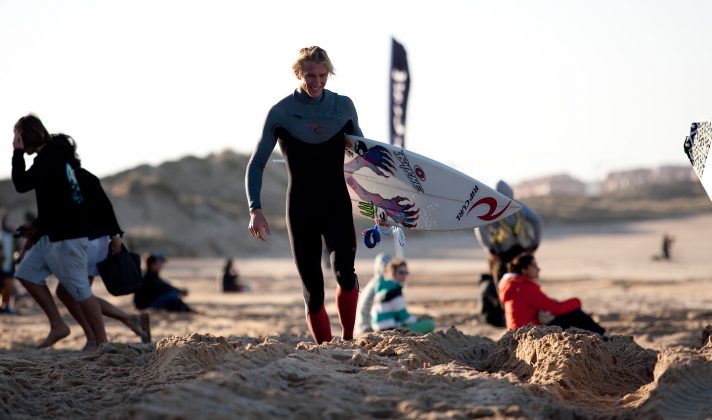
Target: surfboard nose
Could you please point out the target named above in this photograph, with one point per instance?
(514, 207)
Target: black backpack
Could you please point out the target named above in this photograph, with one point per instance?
(489, 304)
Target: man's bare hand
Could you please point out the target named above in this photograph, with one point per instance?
(259, 227)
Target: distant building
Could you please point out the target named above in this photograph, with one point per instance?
(627, 180)
(551, 185)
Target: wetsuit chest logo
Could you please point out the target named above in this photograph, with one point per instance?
(316, 128)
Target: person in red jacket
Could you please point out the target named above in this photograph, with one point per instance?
(523, 299)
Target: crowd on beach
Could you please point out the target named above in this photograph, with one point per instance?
(76, 229)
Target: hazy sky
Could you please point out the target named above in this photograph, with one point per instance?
(500, 89)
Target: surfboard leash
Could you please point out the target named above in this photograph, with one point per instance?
(372, 237)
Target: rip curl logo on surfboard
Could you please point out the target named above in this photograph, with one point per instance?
(490, 202)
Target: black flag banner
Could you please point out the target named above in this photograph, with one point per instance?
(400, 85)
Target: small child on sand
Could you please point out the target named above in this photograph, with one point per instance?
(389, 310)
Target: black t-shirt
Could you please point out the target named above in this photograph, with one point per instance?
(61, 211)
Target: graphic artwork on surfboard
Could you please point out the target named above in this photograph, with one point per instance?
(397, 187)
(697, 148)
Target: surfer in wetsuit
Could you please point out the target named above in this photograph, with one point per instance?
(310, 125)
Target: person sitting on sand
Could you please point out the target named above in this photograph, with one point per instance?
(231, 279)
(523, 300)
(389, 310)
(157, 293)
(365, 301)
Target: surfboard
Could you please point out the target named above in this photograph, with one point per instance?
(697, 148)
(400, 188)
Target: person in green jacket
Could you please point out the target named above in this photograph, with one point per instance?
(389, 309)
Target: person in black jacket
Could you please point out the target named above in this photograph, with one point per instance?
(105, 237)
(63, 227)
(157, 293)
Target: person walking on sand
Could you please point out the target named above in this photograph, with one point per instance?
(105, 236)
(523, 300)
(63, 229)
(389, 308)
(666, 246)
(310, 125)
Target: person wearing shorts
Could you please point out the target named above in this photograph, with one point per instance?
(105, 237)
(63, 229)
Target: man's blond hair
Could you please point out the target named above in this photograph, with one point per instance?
(313, 53)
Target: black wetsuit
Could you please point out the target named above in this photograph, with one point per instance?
(311, 136)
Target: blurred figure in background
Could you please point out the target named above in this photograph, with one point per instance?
(157, 293)
(667, 244)
(365, 301)
(231, 279)
(504, 240)
(511, 236)
(7, 266)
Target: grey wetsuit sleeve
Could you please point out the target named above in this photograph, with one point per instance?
(256, 165)
(351, 110)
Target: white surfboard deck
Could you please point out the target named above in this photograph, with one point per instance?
(697, 147)
(400, 188)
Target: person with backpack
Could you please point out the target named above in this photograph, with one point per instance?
(509, 237)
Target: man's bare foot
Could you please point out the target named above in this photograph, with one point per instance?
(55, 334)
(141, 325)
(90, 347)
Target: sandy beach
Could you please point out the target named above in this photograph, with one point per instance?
(249, 355)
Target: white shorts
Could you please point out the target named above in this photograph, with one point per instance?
(97, 251)
(67, 260)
